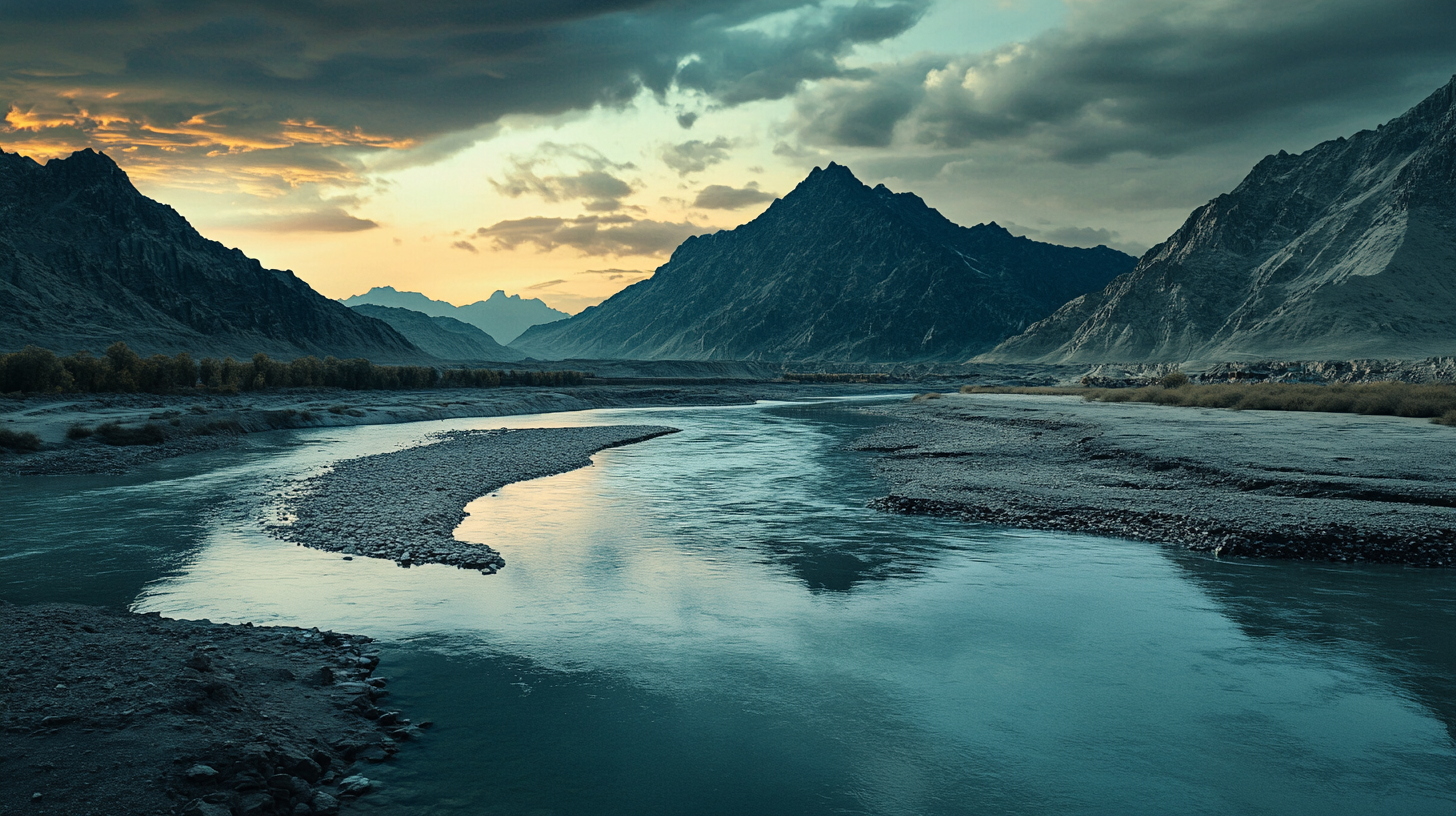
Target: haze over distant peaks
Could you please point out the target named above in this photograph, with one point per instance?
(834, 270)
(86, 260)
(1345, 251)
(501, 316)
(444, 337)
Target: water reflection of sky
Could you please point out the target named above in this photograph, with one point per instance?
(712, 622)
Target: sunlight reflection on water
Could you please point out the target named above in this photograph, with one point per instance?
(712, 622)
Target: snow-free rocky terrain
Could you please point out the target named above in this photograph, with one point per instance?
(834, 271)
(86, 260)
(1346, 251)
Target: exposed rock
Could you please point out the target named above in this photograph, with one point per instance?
(1347, 251)
(86, 260)
(834, 271)
(133, 728)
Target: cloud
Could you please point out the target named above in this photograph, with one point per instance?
(1141, 76)
(272, 86)
(599, 189)
(686, 120)
(591, 234)
(465, 245)
(722, 197)
(1077, 237)
(329, 219)
(618, 274)
(695, 156)
(546, 284)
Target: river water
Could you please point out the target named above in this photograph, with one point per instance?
(713, 623)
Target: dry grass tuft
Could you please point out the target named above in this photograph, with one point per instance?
(1434, 402)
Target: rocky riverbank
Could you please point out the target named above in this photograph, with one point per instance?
(1332, 487)
(405, 505)
(109, 712)
(157, 427)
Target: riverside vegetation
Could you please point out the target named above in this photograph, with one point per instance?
(1436, 402)
(122, 370)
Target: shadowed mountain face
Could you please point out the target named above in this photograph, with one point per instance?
(501, 316)
(443, 337)
(1346, 251)
(834, 271)
(86, 260)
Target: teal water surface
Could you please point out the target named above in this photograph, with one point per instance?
(713, 622)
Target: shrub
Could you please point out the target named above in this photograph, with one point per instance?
(79, 431)
(929, 395)
(1174, 379)
(19, 441)
(114, 433)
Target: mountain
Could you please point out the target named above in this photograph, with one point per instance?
(443, 337)
(834, 271)
(502, 317)
(86, 260)
(1345, 251)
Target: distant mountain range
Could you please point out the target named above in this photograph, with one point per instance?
(86, 260)
(1345, 251)
(444, 337)
(502, 317)
(836, 271)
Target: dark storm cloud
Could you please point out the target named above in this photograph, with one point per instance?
(210, 76)
(591, 234)
(723, 197)
(1144, 75)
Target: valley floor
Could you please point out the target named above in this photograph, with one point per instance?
(197, 422)
(1338, 487)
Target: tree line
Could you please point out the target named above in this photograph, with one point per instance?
(122, 370)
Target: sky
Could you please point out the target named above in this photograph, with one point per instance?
(562, 149)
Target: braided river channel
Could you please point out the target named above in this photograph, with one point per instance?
(713, 622)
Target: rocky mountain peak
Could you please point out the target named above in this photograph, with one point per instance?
(834, 270)
(1343, 251)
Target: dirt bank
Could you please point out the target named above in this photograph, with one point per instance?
(1256, 483)
(108, 712)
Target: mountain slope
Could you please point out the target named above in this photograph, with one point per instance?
(86, 260)
(502, 317)
(834, 271)
(443, 337)
(1345, 251)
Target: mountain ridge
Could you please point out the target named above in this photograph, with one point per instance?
(835, 270)
(501, 316)
(443, 337)
(86, 259)
(1347, 250)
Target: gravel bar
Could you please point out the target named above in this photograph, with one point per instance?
(1304, 486)
(405, 505)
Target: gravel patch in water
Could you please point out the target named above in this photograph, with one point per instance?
(405, 505)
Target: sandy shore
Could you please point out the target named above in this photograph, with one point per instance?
(405, 505)
(1257, 483)
(109, 712)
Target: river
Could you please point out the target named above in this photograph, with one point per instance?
(712, 622)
